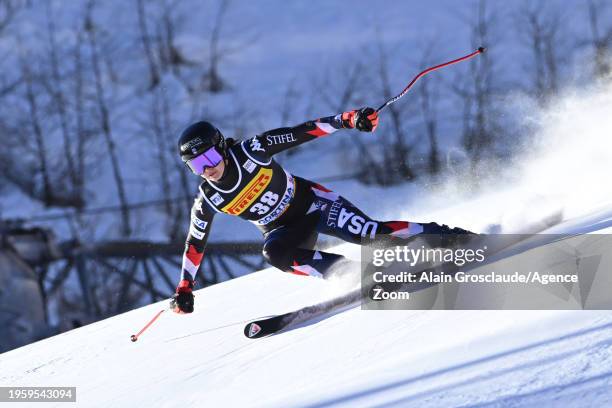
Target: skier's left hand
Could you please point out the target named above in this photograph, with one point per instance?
(364, 119)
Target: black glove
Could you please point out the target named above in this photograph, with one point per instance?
(364, 119)
(182, 301)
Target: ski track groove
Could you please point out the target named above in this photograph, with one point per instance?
(209, 330)
(574, 370)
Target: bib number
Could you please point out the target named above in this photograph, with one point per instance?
(268, 198)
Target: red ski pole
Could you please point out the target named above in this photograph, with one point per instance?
(480, 50)
(134, 337)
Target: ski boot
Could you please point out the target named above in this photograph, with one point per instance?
(445, 236)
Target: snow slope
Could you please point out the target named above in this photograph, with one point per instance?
(365, 358)
(353, 358)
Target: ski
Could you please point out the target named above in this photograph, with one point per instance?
(275, 324)
(266, 327)
(271, 325)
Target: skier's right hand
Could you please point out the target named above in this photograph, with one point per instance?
(364, 119)
(182, 301)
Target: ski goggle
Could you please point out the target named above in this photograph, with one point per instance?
(209, 158)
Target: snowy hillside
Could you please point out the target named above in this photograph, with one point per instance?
(367, 358)
(293, 62)
(352, 358)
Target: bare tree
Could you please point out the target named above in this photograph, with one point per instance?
(10, 84)
(40, 147)
(541, 30)
(338, 90)
(83, 134)
(601, 39)
(429, 97)
(177, 223)
(481, 129)
(213, 80)
(288, 102)
(287, 106)
(170, 56)
(159, 132)
(158, 30)
(58, 97)
(105, 120)
(8, 11)
(399, 150)
(154, 75)
(338, 93)
(158, 26)
(27, 144)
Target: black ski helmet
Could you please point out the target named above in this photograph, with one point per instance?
(198, 138)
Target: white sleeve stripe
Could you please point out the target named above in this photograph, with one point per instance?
(190, 267)
(326, 127)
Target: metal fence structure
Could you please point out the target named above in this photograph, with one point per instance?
(67, 284)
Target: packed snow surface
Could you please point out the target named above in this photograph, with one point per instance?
(373, 358)
(353, 358)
